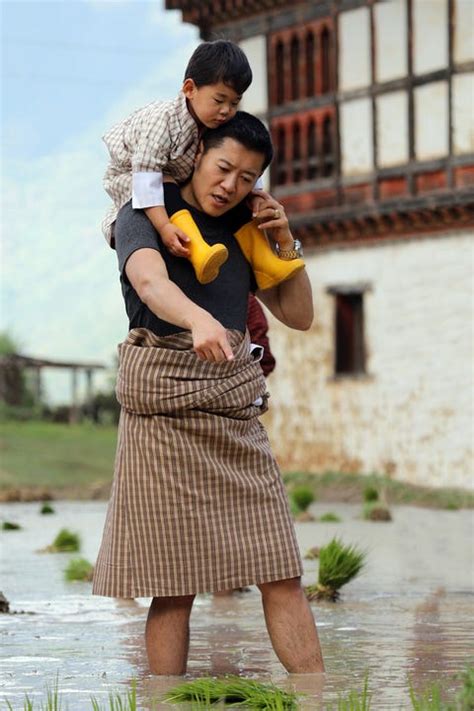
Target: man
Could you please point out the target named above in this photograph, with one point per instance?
(198, 504)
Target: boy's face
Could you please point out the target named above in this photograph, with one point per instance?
(223, 177)
(212, 104)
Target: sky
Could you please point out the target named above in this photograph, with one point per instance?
(70, 70)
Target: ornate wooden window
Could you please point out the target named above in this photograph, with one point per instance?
(280, 72)
(295, 68)
(309, 63)
(312, 144)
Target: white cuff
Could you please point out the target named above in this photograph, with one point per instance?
(259, 183)
(147, 190)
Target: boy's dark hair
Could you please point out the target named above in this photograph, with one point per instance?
(219, 61)
(247, 130)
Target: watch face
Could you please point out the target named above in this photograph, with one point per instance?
(298, 247)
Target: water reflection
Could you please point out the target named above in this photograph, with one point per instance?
(394, 622)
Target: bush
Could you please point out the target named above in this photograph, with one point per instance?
(330, 517)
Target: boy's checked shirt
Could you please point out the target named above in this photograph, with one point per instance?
(161, 137)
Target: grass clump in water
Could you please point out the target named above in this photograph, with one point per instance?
(233, 691)
(338, 565)
(371, 493)
(65, 542)
(46, 509)
(10, 526)
(79, 569)
(119, 702)
(303, 497)
(330, 517)
(355, 700)
(376, 511)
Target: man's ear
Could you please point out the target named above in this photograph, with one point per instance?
(189, 88)
(199, 153)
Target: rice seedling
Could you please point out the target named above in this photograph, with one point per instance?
(10, 526)
(370, 493)
(303, 497)
(330, 517)
(428, 700)
(338, 565)
(233, 691)
(355, 700)
(47, 509)
(118, 702)
(376, 511)
(65, 542)
(465, 696)
(79, 569)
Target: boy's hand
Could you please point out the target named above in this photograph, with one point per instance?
(175, 240)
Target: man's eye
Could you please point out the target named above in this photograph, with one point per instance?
(247, 180)
(235, 104)
(218, 101)
(223, 168)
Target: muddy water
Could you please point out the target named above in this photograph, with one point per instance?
(409, 616)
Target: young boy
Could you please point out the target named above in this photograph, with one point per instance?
(162, 138)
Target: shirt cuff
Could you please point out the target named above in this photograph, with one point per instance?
(259, 183)
(147, 190)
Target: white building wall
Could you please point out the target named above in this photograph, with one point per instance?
(391, 40)
(354, 49)
(412, 417)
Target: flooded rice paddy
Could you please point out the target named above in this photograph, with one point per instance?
(409, 616)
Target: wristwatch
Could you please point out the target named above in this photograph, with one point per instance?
(288, 254)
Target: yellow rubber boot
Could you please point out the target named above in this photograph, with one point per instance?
(269, 269)
(206, 259)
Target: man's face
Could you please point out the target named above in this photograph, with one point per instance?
(212, 104)
(223, 177)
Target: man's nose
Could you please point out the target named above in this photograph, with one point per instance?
(229, 183)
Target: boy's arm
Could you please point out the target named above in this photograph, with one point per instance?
(172, 236)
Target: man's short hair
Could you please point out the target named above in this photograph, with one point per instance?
(247, 130)
(219, 61)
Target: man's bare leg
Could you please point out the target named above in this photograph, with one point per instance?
(291, 626)
(167, 634)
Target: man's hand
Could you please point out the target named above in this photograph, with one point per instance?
(175, 240)
(271, 217)
(210, 339)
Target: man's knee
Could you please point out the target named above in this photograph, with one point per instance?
(289, 586)
(178, 603)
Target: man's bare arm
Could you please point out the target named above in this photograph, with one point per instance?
(148, 275)
(291, 302)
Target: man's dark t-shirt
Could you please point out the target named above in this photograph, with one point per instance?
(225, 298)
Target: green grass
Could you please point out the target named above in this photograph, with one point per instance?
(339, 486)
(56, 456)
(79, 569)
(75, 460)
